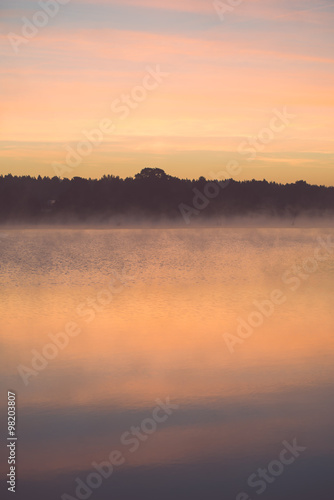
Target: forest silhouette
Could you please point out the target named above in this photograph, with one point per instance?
(154, 194)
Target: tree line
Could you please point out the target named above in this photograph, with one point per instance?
(153, 193)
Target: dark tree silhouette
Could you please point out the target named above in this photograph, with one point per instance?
(151, 173)
(155, 194)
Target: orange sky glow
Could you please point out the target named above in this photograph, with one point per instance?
(182, 86)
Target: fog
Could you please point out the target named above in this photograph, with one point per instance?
(311, 220)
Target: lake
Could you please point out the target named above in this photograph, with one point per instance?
(184, 364)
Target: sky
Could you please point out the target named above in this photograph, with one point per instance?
(99, 87)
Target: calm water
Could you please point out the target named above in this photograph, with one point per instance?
(147, 313)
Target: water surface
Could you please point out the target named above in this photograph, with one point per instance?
(154, 308)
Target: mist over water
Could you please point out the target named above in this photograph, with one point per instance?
(312, 220)
(153, 307)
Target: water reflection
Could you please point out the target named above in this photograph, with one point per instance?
(161, 336)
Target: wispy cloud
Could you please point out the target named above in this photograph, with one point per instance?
(225, 77)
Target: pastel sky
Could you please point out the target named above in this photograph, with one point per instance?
(233, 67)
